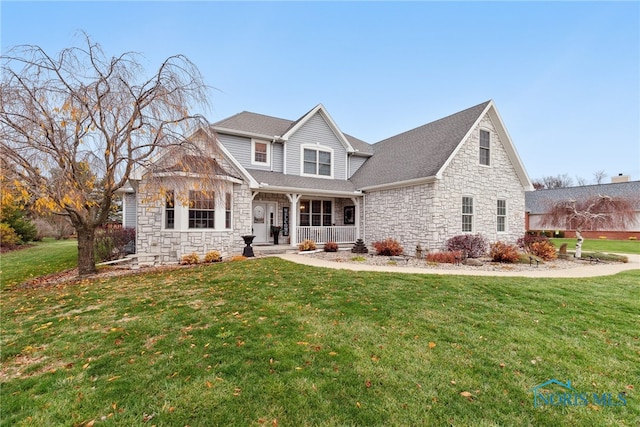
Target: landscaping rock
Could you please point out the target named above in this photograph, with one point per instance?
(472, 262)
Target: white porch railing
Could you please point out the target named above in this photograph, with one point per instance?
(338, 234)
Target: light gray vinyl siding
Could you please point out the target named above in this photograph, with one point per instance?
(277, 157)
(239, 147)
(130, 210)
(316, 132)
(355, 163)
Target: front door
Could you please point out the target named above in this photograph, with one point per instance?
(264, 216)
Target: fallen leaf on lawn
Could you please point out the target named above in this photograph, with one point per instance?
(333, 353)
(367, 383)
(453, 382)
(502, 365)
(466, 394)
(209, 385)
(113, 378)
(90, 423)
(147, 417)
(237, 391)
(629, 387)
(358, 404)
(274, 423)
(432, 344)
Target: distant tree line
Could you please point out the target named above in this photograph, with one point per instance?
(564, 180)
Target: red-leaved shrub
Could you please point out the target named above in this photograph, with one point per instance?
(543, 249)
(471, 245)
(331, 247)
(443, 257)
(504, 252)
(389, 247)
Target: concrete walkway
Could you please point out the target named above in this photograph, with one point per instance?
(583, 270)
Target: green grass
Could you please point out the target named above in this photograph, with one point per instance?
(46, 257)
(250, 342)
(602, 245)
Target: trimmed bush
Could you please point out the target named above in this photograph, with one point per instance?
(504, 252)
(213, 256)
(389, 247)
(544, 249)
(444, 257)
(471, 245)
(331, 247)
(307, 245)
(190, 259)
(528, 239)
(238, 258)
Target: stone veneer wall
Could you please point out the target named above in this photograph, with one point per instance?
(173, 244)
(430, 214)
(151, 237)
(404, 214)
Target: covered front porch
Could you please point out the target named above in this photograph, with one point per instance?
(290, 218)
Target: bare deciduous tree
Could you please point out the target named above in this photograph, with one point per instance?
(599, 212)
(599, 176)
(74, 126)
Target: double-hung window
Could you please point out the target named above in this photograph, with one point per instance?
(170, 210)
(202, 209)
(260, 153)
(501, 215)
(485, 147)
(316, 162)
(315, 213)
(467, 214)
(227, 213)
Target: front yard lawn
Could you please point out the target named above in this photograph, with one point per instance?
(602, 245)
(267, 342)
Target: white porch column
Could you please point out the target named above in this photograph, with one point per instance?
(356, 203)
(293, 218)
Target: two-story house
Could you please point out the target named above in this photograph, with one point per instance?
(460, 174)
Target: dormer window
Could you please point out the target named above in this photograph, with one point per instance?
(485, 147)
(316, 162)
(260, 153)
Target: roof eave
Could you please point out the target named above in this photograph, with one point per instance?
(236, 132)
(399, 184)
(310, 191)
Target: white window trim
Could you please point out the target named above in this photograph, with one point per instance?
(480, 148)
(316, 148)
(506, 216)
(472, 214)
(253, 152)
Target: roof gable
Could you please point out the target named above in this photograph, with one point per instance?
(322, 112)
(425, 152)
(267, 127)
(418, 153)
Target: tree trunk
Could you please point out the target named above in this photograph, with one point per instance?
(86, 256)
(578, 244)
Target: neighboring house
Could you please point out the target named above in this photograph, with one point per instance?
(538, 203)
(460, 174)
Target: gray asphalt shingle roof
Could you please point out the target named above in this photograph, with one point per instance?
(538, 202)
(417, 153)
(273, 126)
(276, 179)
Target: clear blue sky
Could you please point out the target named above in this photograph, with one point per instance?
(565, 76)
